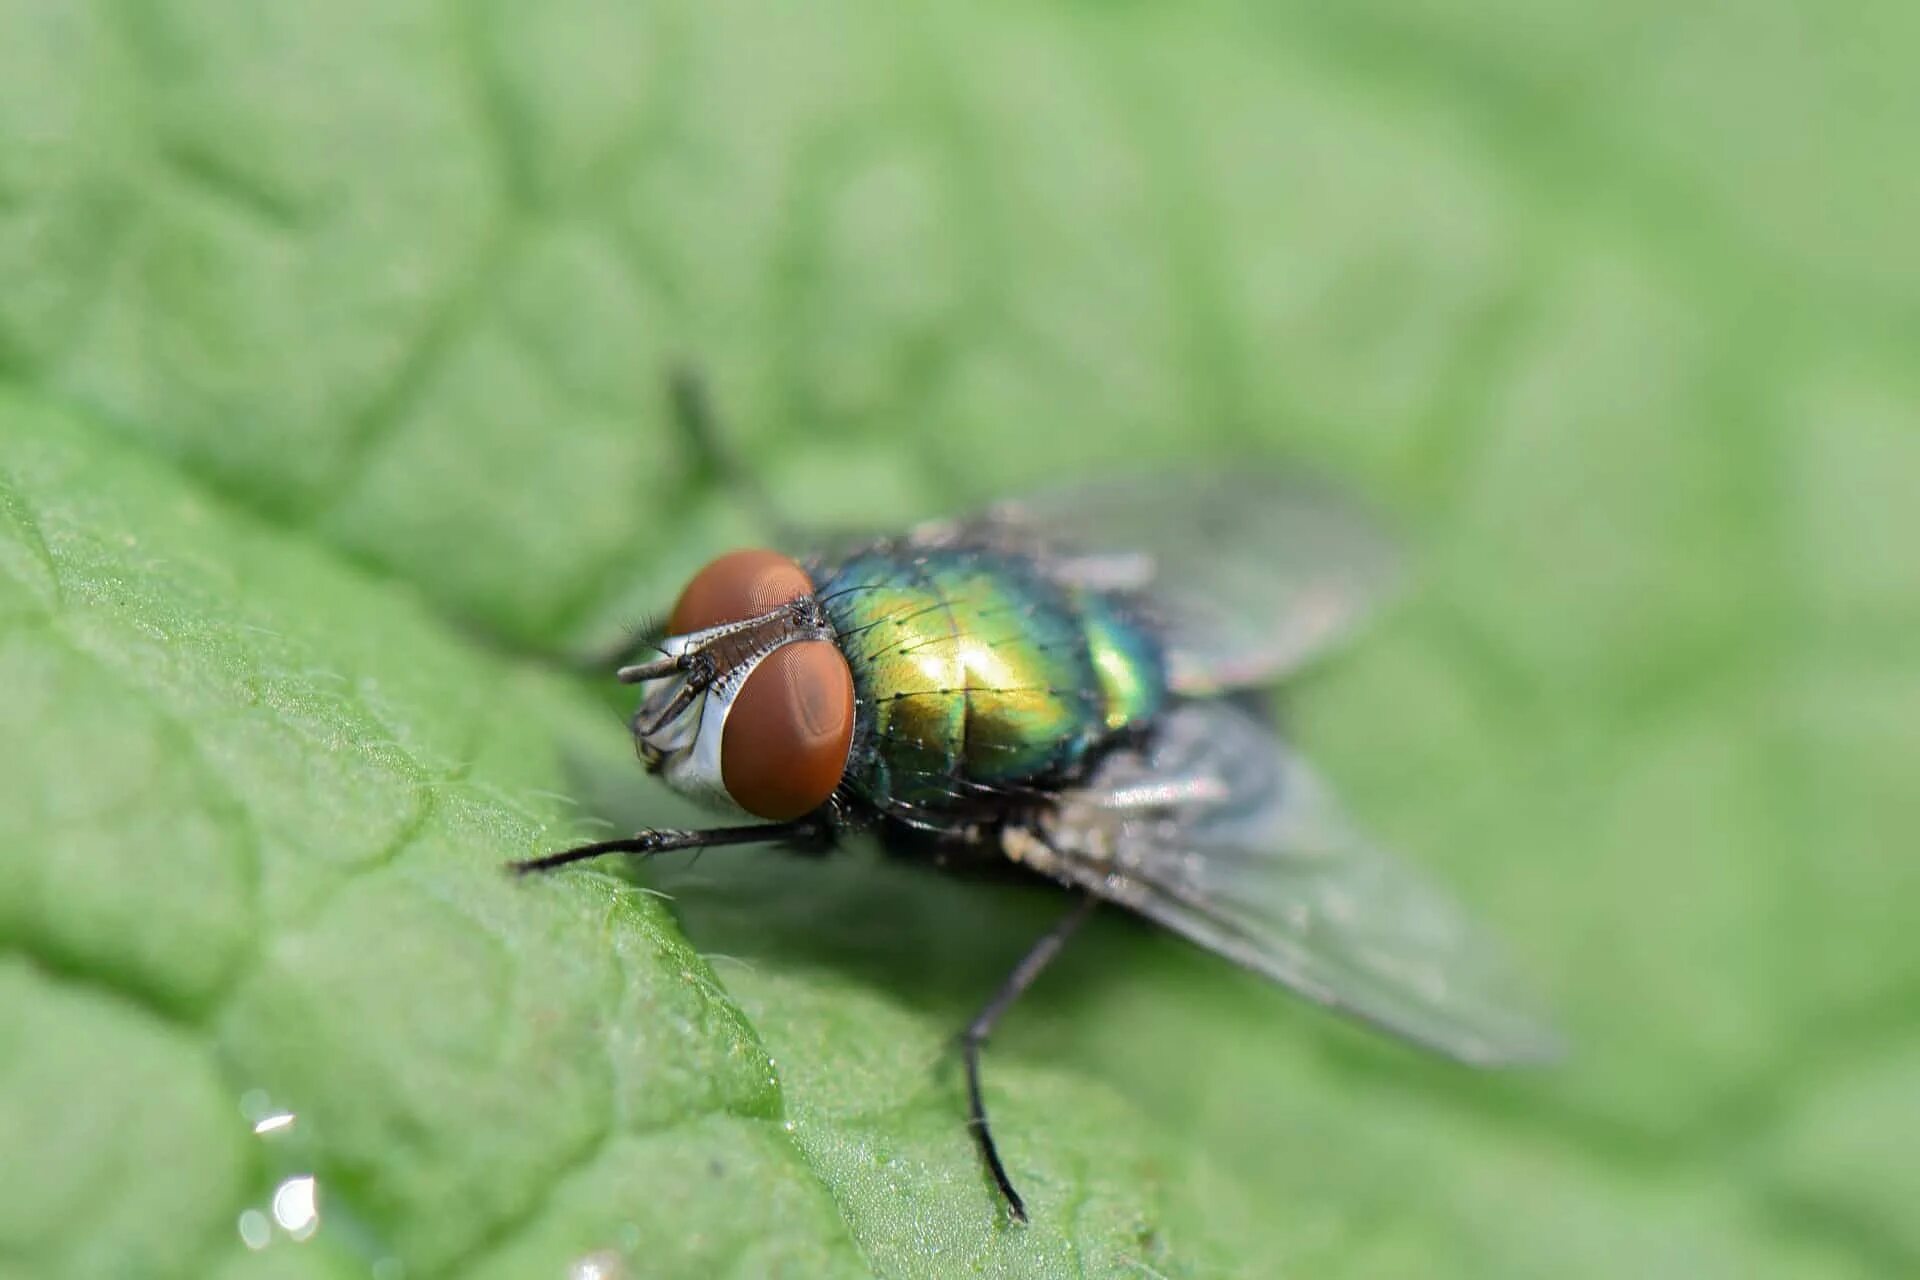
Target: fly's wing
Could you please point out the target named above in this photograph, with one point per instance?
(1218, 831)
(1247, 573)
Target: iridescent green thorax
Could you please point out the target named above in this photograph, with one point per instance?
(972, 668)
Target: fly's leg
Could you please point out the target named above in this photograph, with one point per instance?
(645, 844)
(974, 1038)
(714, 461)
(690, 406)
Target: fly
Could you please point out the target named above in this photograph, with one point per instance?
(1050, 683)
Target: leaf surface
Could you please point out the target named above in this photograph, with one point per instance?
(330, 353)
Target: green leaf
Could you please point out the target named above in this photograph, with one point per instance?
(330, 352)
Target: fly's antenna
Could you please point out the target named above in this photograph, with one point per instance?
(641, 672)
(700, 669)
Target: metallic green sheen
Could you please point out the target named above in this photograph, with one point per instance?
(971, 668)
(1126, 661)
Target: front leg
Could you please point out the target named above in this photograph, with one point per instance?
(713, 456)
(810, 830)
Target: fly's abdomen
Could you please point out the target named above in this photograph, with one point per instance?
(1127, 663)
(971, 669)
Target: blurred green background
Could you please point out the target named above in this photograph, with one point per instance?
(330, 351)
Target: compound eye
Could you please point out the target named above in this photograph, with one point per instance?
(785, 745)
(738, 586)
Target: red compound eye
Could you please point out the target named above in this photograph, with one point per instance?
(737, 586)
(787, 734)
(785, 744)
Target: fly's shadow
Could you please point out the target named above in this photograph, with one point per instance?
(936, 943)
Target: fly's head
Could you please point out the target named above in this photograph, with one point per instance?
(750, 707)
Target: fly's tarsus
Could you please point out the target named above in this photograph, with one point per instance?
(974, 1038)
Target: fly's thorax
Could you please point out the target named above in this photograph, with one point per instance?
(973, 669)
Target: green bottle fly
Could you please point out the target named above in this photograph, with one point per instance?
(1052, 683)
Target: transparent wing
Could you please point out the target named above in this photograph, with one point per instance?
(1249, 573)
(1218, 831)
